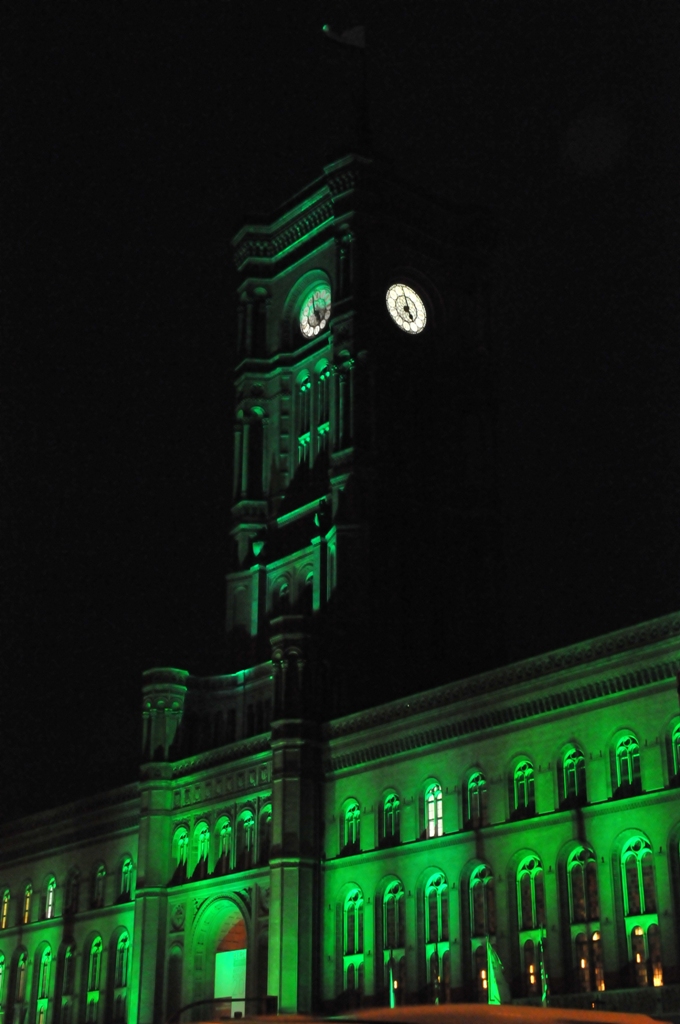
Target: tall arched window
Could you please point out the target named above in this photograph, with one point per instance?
(628, 779)
(437, 909)
(304, 419)
(323, 404)
(201, 850)
(120, 979)
(530, 894)
(93, 968)
(583, 896)
(637, 862)
(524, 804)
(26, 908)
(265, 834)
(351, 828)
(475, 801)
(390, 831)
(2, 979)
(245, 837)
(482, 902)
(4, 909)
(674, 756)
(126, 870)
(50, 894)
(393, 916)
(180, 854)
(223, 858)
(98, 887)
(434, 820)
(573, 781)
(66, 985)
(72, 894)
(42, 986)
(16, 1010)
(353, 931)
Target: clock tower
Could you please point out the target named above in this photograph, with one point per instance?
(365, 517)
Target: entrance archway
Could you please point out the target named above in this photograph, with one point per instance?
(221, 954)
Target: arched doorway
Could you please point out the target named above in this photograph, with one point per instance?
(221, 955)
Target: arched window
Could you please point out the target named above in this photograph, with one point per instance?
(50, 894)
(65, 988)
(4, 909)
(674, 756)
(351, 828)
(582, 875)
(201, 850)
(434, 821)
(482, 902)
(475, 801)
(589, 962)
(98, 887)
(18, 995)
(120, 978)
(42, 986)
(304, 419)
(2, 979)
(223, 858)
(530, 894)
(323, 402)
(72, 894)
(180, 854)
(245, 835)
(265, 836)
(92, 980)
(573, 782)
(524, 805)
(126, 870)
(393, 917)
(26, 908)
(390, 831)
(353, 915)
(637, 864)
(436, 910)
(628, 780)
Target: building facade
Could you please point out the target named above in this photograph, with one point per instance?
(331, 820)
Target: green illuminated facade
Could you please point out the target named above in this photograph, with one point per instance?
(332, 820)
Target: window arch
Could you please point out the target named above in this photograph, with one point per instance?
(118, 977)
(530, 894)
(50, 897)
(26, 906)
(353, 932)
(92, 968)
(482, 902)
(180, 854)
(436, 909)
(265, 834)
(223, 846)
(434, 815)
(582, 879)
(42, 985)
(98, 892)
(674, 755)
(627, 760)
(2, 979)
(72, 894)
(390, 831)
(351, 827)
(637, 864)
(4, 909)
(201, 849)
(65, 987)
(16, 1008)
(304, 415)
(573, 778)
(126, 875)
(475, 797)
(393, 916)
(522, 790)
(245, 837)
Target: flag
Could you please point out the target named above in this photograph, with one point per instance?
(498, 989)
(351, 37)
(544, 975)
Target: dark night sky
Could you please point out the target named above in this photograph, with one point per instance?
(137, 138)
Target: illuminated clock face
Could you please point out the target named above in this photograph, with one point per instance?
(316, 311)
(406, 308)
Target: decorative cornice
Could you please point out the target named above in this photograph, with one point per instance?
(223, 755)
(502, 716)
(607, 646)
(266, 243)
